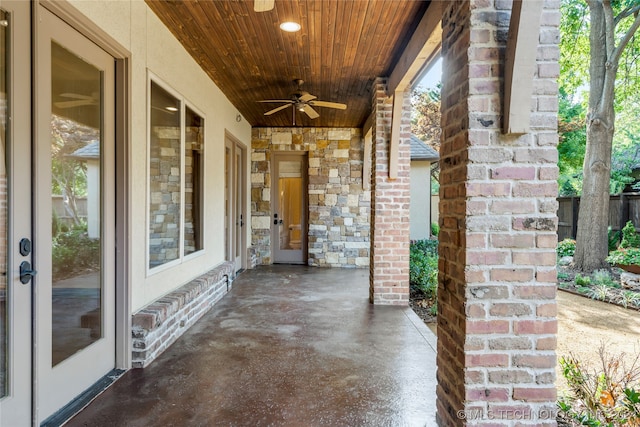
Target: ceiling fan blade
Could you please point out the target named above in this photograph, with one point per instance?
(310, 111)
(275, 110)
(263, 5)
(306, 97)
(329, 104)
(288, 101)
(71, 104)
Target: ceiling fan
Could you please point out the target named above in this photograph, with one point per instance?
(263, 5)
(77, 100)
(304, 102)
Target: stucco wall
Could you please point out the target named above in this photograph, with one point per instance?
(339, 208)
(153, 49)
(420, 207)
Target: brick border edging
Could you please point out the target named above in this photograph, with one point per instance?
(158, 325)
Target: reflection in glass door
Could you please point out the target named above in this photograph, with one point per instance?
(76, 205)
(289, 205)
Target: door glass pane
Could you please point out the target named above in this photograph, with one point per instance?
(164, 177)
(4, 295)
(238, 200)
(227, 207)
(193, 158)
(290, 202)
(76, 203)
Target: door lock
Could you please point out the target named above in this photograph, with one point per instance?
(25, 247)
(26, 272)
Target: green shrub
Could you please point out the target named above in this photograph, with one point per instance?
(630, 237)
(609, 396)
(628, 298)
(435, 229)
(613, 239)
(582, 281)
(423, 266)
(428, 246)
(603, 278)
(599, 292)
(624, 256)
(567, 247)
(74, 252)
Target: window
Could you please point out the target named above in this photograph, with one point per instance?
(175, 178)
(192, 181)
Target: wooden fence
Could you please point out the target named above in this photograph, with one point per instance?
(622, 208)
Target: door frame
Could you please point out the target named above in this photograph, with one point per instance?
(275, 229)
(239, 196)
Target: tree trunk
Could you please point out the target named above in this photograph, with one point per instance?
(593, 219)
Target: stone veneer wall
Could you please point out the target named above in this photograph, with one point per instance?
(497, 282)
(164, 184)
(339, 208)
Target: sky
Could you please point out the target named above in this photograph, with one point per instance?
(433, 76)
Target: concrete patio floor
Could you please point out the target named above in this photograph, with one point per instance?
(288, 346)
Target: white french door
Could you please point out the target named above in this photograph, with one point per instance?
(74, 208)
(15, 218)
(235, 203)
(57, 204)
(289, 207)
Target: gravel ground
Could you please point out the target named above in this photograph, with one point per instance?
(583, 324)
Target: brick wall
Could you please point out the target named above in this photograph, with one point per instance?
(496, 296)
(389, 273)
(339, 208)
(159, 324)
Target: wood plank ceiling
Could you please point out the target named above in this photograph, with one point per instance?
(342, 47)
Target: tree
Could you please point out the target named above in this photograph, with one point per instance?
(612, 25)
(425, 121)
(68, 174)
(571, 130)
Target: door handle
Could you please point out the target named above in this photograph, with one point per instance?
(26, 272)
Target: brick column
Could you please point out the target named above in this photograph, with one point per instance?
(389, 272)
(496, 295)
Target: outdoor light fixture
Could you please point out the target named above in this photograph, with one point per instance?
(290, 26)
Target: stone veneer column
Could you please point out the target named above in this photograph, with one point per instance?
(389, 271)
(496, 296)
(339, 207)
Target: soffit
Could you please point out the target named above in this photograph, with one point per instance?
(342, 47)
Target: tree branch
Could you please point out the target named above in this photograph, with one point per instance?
(625, 40)
(630, 10)
(609, 31)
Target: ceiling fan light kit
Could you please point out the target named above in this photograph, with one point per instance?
(263, 5)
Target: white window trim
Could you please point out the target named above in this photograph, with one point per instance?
(184, 103)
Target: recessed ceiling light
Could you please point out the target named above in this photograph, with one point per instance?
(290, 26)
(171, 109)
